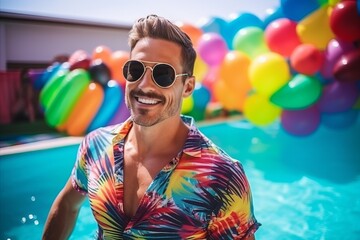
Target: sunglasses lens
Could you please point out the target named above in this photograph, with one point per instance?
(133, 70)
(164, 75)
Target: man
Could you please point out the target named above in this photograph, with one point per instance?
(156, 176)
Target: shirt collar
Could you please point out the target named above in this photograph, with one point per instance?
(192, 145)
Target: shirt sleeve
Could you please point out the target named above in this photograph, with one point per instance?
(79, 172)
(235, 218)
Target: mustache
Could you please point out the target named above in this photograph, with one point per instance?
(141, 93)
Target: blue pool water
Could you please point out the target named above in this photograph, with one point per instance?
(303, 188)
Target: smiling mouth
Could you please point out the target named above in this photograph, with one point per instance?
(147, 101)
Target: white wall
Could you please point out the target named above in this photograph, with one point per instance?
(40, 42)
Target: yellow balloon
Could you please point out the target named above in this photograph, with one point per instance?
(200, 69)
(260, 111)
(315, 28)
(187, 105)
(269, 72)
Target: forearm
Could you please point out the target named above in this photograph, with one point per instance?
(60, 222)
(63, 214)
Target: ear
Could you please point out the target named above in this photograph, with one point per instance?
(189, 86)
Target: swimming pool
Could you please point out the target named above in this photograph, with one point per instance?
(304, 188)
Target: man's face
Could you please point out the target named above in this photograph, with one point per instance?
(148, 103)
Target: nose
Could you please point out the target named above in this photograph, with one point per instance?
(146, 80)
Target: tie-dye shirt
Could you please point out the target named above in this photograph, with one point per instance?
(200, 194)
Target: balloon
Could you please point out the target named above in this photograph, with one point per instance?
(299, 93)
(34, 75)
(229, 99)
(71, 88)
(296, 10)
(300, 122)
(79, 59)
(121, 114)
(340, 120)
(281, 36)
(268, 72)
(259, 111)
(187, 105)
(272, 14)
(338, 97)
(334, 50)
(84, 110)
(113, 96)
(307, 59)
(118, 59)
(315, 29)
(201, 96)
(99, 72)
(347, 68)
(234, 71)
(46, 76)
(251, 41)
(103, 53)
(200, 69)
(213, 24)
(52, 88)
(212, 48)
(345, 21)
(192, 31)
(238, 22)
(209, 81)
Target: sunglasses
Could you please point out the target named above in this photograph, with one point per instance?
(163, 74)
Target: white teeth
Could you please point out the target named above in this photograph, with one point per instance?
(147, 101)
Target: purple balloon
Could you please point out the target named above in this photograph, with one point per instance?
(212, 48)
(338, 97)
(121, 115)
(334, 50)
(301, 122)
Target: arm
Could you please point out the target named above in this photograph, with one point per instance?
(63, 213)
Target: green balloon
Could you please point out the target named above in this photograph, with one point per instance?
(299, 93)
(251, 41)
(70, 90)
(52, 87)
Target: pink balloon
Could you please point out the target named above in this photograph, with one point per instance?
(334, 50)
(301, 122)
(338, 97)
(212, 48)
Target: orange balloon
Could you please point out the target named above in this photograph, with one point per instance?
(85, 110)
(229, 99)
(192, 31)
(234, 71)
(118, 59)
(102, 52)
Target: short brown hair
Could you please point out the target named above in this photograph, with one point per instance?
(154, 26)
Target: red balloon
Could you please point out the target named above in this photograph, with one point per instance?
(347, 68)
(307, 59)
(345, 21)
(281, 36)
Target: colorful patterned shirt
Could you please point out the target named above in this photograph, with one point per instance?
(200, 194)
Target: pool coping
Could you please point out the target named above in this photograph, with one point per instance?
(40, 145)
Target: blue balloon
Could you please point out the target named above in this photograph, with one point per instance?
(241, 21)
(201, 96)
(40, 82)
(113, 95)
(215, 25)
(296, 10)
(340, 120)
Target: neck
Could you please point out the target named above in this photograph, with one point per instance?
(165, 138)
